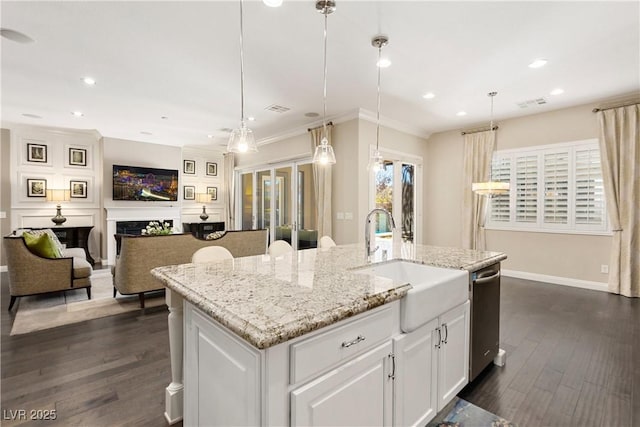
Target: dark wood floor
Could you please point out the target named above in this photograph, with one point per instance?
(573, 358)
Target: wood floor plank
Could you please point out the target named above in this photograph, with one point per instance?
(590, 407)
(617, 411)
(562, 406)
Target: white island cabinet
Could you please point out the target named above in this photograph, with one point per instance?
(341, 375)
(306, 339)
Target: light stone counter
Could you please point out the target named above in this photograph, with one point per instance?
(267, 301)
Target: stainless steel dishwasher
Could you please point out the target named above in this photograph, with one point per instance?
(485, 318)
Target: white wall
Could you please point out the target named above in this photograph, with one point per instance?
(58, 172)
(562, 255)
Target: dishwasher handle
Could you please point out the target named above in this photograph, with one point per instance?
(482, 280)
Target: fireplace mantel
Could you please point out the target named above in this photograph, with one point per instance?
(136, 213)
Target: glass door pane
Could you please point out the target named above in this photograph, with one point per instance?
(306, 208)
(246, 200)
(408, 202)
(263, 196)
(283, 204)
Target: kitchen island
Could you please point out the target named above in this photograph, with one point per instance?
(259, 328)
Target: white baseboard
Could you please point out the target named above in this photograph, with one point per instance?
(557, 280)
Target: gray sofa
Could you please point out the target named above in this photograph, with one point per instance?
(140, 254)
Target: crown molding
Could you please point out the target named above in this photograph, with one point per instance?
(17, 127)
(358, 113)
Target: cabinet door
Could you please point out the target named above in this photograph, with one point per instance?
(358, 393)
(453, 358)
(222, 376)
(415, 397)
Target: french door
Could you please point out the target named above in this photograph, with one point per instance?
(394, 188)
(281, 199)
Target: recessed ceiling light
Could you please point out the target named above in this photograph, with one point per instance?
(383, 63)
(272, 3)
(32, 116)
(429, 95)
(77, 113)
(15, 36)
(90, 81)
(538, 63)
(146, 133)
(557, 91)
(461, 113)
(251, 118)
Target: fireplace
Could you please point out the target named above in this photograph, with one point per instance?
(135, 227)
(131, 220)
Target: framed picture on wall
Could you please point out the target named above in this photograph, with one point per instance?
(37, 153)
(189, 167)
(214, 192)
(77, 157)
(189, 192)
(36, 188)
(212, 169)
(78, 189)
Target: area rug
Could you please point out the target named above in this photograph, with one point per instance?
(46, 311)
(460, 413)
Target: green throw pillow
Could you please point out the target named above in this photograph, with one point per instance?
(41, 245)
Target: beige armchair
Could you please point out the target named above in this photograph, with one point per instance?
(30, 274)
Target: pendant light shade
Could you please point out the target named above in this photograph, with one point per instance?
(324, 154)
(490, 188)
(241, 139)
(376, 162)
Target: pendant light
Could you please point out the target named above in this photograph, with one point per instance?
(490, 188)
(323, 154)
(241, 139)
(376, 163)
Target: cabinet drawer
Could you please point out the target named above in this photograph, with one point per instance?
(318, 353)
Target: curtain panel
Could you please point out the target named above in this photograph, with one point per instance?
(620, 154)
(478, 152)
(322, 185)
(228, 191)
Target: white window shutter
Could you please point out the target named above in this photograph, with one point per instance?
(589, 194)
(556, 188)
(501, 172)
(527, 189)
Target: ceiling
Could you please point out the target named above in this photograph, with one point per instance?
(180, 61)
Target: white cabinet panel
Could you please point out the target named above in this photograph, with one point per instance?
(222, 383)
(415, 387)
(358, 393)
(453, 357)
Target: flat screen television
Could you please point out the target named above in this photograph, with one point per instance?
(145, 184)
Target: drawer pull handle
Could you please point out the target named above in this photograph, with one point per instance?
(347, 344)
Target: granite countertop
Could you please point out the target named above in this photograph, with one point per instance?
(269, 300)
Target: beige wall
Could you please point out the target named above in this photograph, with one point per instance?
(5, 187)
(564, 255)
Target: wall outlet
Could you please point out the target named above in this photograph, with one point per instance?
(3, 214)
(604, 269)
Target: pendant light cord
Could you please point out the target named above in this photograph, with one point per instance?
(378, 110)
(241, 69)
(324, 90)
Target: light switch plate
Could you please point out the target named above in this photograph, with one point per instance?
(340, 215)
(3, 214)
(348, 215)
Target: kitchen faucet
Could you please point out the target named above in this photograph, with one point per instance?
(367, 230)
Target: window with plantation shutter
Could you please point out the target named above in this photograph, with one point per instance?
(500, 171)
(527, 189)
(554, 188)
(589, 198)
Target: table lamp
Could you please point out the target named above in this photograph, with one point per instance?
(203, 198)
(58, 195)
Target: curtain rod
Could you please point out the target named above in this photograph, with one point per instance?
(321, 126)
(626, 104)
(464, 132)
